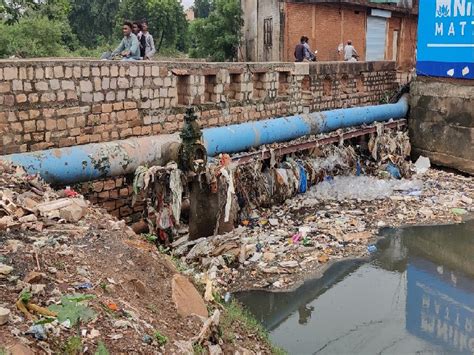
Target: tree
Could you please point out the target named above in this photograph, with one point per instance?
(202, 8)
(132, 10)
(217, 37)
(55, 10)
(168, 21)
(11, 10)
(93, 21)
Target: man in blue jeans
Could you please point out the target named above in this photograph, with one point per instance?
(129, 48)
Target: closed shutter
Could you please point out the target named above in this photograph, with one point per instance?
(376, 30)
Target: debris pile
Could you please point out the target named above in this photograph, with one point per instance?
(278, 247)
(28, 203)
(75, 280)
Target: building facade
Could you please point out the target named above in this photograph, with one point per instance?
(379, 29)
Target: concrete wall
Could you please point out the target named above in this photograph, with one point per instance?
(46, 104)
(442, 121)
(255, 12)
(249, 30)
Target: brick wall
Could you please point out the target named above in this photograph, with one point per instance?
(328, 25)
(46, 104)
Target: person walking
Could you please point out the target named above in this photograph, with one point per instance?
(300, 50)
(350, 53)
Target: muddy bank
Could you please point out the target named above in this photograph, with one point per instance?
(74, 280)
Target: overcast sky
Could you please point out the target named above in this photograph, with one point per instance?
(187, 3)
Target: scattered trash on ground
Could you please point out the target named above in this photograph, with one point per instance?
(73, 279)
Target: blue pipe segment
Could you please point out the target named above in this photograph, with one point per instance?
(89, 162)
(241, 137)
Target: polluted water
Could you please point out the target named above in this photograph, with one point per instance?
(415, 294)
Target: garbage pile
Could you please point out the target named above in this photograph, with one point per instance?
(162, 188)
(300, 212)
(75, 280)
(278, 247)
(28, 203)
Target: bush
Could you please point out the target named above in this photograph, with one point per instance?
(217, 36)
(32, 37)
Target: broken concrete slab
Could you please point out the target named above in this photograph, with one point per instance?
(186, 298)
(72, 213)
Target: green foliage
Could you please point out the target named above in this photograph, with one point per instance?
(73, 346)
(101, 349)
(71, 309)
(217, 37)
(93, 21)
(202, 8)
(11, 10)
(198, 349)
(55, 10)
(25, 297)
(32, 37)
(151, 238)
(160, 338)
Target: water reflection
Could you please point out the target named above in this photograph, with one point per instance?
(417, 295)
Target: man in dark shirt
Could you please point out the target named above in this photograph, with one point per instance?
(300, 50)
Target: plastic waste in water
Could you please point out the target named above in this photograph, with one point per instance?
(371, 248)
(303, 180)
(394, 171)
(422, 165)
(365, 188)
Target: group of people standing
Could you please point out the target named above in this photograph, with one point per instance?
(303, 51)
(137, 42)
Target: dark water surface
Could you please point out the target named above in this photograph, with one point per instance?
(415, 296)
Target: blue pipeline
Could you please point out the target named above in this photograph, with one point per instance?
(241, 137)
(94, 161)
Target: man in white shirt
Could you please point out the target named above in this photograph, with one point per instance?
(350, 53)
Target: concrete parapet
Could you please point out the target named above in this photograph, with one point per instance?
(442, 121)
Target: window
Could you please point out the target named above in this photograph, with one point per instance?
(209, 91)
(268, 32)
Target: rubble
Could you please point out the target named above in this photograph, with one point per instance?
(72, 274)
(4, 315)
(186, 298)
(28, 203)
